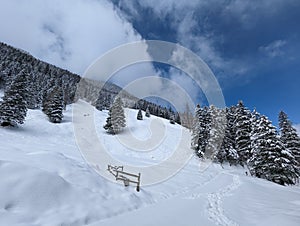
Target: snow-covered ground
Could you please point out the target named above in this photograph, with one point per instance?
(44, 180)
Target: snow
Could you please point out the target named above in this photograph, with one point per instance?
(44, 180)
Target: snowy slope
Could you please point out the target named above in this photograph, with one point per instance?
(44, 180)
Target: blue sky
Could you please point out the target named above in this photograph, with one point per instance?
(252, 46)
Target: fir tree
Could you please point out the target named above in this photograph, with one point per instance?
(13, 109)
(116, 119)
(108, 126)
(271, 160)
(243, 133)
(216, 132)
(139, 115)
(172, 119)
(228, 150)
(255, 130)
(289, 136)
(196, 129)
(147, 112)
(177, 118)
(53, 105)
(201, 128)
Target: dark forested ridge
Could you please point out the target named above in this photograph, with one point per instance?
(51, 88)
(42, 77)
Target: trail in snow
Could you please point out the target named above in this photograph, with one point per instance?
(215, 210)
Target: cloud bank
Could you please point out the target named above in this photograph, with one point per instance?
(69, 33)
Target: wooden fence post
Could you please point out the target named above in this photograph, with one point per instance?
(138, 183)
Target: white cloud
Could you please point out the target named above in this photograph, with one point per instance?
(70, 33)
(274, 49)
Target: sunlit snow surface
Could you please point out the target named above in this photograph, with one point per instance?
(45, 181)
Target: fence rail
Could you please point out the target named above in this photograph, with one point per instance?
(119, 173)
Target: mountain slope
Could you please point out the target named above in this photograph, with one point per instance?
(45, 181)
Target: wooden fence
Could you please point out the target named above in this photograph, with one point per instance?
(127, 178)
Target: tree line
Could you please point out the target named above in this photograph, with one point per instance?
(241, 137)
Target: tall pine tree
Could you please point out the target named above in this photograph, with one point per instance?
(139, 115)
(116, 119)
(201, 130)
(271, 160)
(147, 112)
(289, 136)
(13, 108)
(228, 150)
(53, 105)
(243, 133)
(216, 133)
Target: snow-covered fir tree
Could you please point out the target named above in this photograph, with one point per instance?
(116, 119)
(216, 133)
(196, 129)
(139, 115)
(53, 105)
(271, 160)
(228, 151)
(147, 114)
(243, 133)
(255, 130)
(172, 119)
(13, 108)
(289, 136)
(177, 118)
(201, 130)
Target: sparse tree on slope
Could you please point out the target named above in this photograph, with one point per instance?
(289, 136)
(147, 112)
(172, 119)
(139, 115)
(116, 119)
(13, 109)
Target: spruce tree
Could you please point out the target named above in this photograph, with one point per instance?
(116, 119)
(216, 133)
(196, 129)
(172, 119)
(139, 115)
(147, 112)
(53, 105)
(243, 133)
(201, 130)
(255, 130)
(289, 136)
(228, 150)
(13, 108)
(178, 119)
(271, 160)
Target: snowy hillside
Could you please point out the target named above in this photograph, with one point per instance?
(44, 180)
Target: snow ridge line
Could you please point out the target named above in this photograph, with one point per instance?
(215, 210)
